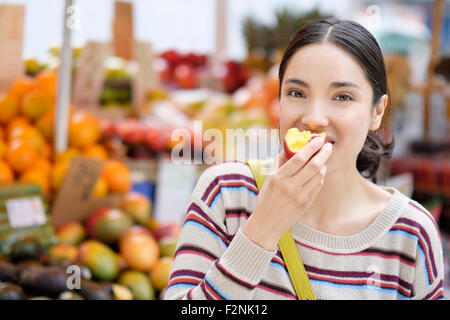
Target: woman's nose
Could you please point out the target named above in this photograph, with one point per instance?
(314, 118)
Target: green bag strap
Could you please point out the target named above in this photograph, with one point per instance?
(287, 245)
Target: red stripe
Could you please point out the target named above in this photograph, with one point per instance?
(425, 248)
(238, 183)
(192, 216)
(438, 294)
(375, 282)
(429, 216)
(188, 280)
(195, 253)
(211, 291)
(290, 296)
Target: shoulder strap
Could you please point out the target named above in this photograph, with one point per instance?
(287, 245)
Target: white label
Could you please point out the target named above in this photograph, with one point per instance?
(25, 212)
(175, 185)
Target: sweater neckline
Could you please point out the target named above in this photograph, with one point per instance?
(358, 241)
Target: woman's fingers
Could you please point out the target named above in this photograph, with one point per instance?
(299, 160)
(314, 166)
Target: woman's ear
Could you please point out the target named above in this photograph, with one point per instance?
(378, 112)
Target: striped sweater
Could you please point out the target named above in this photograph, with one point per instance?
(398, 256)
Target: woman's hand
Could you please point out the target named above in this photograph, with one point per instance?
(289, 190)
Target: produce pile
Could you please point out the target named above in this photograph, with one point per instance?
(27, 114)
(116, 254)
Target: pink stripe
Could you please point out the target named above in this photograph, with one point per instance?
(277, 292)
(238, 183)
(195, 253)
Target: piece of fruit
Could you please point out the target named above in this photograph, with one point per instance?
(22, 86)
(140, 250)
(138, 206)
(8, 108)
(20, 121)
(21, 155)
(159, 274)
(295, 140)
(107, 225)
(58, 174)
(121, 292)
(25, 249)
(11, 291)
(96, 151)
(38, 177)
(6, 174)
(100, 188)
(91, 290)
(43, 165)
(139, 284)
(36, 103)
(62, 254)
(71, 233)
(100, 259)
(30, 134)
(117, 176)
(67, 155)
(84, 129)
(45, 125)
(167, 247)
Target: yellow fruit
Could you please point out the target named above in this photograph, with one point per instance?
(67, 155)
(45, 125)
(160, 272)
(6, 174)
(22, 86)
(8, 108)
(59, 173)
(140, 250)
(36, 103)
(100, 189)
(30, 134)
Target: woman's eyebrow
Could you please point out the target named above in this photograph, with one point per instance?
(298, 82)
(342, 84)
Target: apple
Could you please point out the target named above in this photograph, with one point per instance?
(185, 76)
(294, 140)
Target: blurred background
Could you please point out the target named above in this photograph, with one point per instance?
(112, 80)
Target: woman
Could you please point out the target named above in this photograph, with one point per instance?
(357, 240)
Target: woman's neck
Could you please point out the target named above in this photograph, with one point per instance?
(346, 204)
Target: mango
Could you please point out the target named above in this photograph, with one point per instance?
(100, 259)
(139, 283)
(107, 225)
(167, 246)
(62, 255)
(140, 250)
(71, 233)
(137, 206)
(159, 274)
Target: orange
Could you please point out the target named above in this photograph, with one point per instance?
(140, 250)
(45, 125)
(36, 103)
(84, 129)
(160, 273)
(47, 151)
(46, 81)
(30, 134)
(43, 165)
(117, 176)
(22, 86)
(96, 151)
(59, 173)
(21, 155)
(16, 122)
(6, 174)
(2, 133)
(100, 189)
(38, 177)
(9, 106)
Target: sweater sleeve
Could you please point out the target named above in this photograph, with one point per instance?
(429, 266)
(209, 262)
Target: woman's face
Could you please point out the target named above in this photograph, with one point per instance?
(325, 90)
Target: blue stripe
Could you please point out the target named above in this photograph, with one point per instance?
(278, 266)
(212, 285)
(232, 188)
(355, 286)
(182, 285)
(201, 226)
(419, 247)
(425, 269)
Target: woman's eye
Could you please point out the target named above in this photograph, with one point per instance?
(343, 97)
(295, 93)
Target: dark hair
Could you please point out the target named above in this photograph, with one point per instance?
(362, 46)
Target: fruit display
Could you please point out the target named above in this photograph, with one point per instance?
(121, 254)
(27, 114)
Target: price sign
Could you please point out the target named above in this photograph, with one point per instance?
(25, 212)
